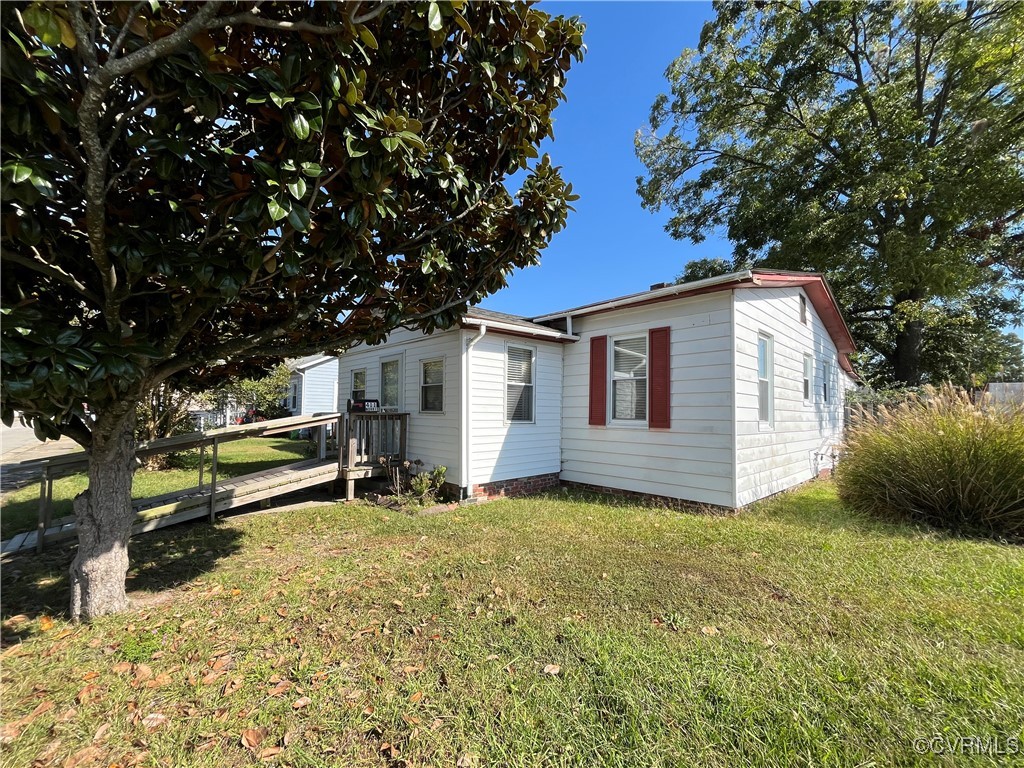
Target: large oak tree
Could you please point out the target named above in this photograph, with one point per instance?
(193, 191)
(880, 143)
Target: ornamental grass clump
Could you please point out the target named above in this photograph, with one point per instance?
(940, 459)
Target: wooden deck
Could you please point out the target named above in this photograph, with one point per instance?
(194, 503)
(370, 443)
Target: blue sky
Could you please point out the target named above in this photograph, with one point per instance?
(611, 246)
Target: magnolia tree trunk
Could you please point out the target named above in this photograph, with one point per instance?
(103, 514)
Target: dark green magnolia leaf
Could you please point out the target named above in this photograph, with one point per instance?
(299, 126)
(367, 37)
(17, 172)
(44, 23)
(281, 99)
(265, 169)
(434, 20)
(276, 210)
(297, 188)
(312, 170)
(298, 217)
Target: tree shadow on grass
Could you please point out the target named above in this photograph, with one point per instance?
(36, 585)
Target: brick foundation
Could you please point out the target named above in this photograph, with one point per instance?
(651, 499)
(517, 486)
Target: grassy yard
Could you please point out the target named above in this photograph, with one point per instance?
(21, 507)
(558, 630)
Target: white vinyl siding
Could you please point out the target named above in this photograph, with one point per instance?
(432, 386)
(499, 448)
(434, 438)
(694, 459)
(804, 434)
(519, 388)
(629, 379)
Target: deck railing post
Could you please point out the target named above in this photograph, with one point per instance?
(202, 464)
(213, 484)
(338, 437)
(321, 448)
(403, 436)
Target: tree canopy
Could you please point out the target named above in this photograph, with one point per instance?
(195, 190)
(879, 143)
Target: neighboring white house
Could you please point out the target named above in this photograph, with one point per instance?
(313, 386)
(721, 391)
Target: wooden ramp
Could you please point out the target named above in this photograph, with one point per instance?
(194, 503)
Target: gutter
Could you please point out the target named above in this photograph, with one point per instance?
(466, 476)
(543, 333)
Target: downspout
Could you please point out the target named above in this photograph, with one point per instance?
(466, 421)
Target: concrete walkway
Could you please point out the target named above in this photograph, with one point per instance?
(21, 452)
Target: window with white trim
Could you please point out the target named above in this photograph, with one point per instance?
(391, 384)
(295, 396)
(765, 383)
(808, 378)
(803, 309)
(359, 384)
(826, 384)
(432, 386)
(519, 384)
(629, 379)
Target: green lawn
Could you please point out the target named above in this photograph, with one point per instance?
(21, 507)
(793, 634)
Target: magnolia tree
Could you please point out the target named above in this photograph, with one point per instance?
(192, 191)
(880, 143)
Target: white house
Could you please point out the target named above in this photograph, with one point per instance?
(313, 386)
(721, 391)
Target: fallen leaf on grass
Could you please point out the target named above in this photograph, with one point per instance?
(231, 686)
(85, 756)
(270, 752)
(282, 612)
(121, 667)
(142, 673)
(45, 623)
(281, 688)
(709, 630)
(89, 693)
(9, 732)
(299, 703)
(416, 697)
(155, 720)
(253, 737)
(211, 677)
(552, 669)
(159, 681)
(101, 732)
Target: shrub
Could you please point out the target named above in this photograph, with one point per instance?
(940, 459)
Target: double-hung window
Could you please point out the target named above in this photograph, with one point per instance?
(359, 384)
(765, 384)
(519, 384)
(391, 384)
(432, 386)
(629, 379)
(808, 378)
(826, 375)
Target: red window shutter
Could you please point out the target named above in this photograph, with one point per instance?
(599, 380)
(659, 379)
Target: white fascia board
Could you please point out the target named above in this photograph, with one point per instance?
(541, 333)
(732, 277)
